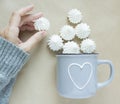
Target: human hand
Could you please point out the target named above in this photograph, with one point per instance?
(20, 21)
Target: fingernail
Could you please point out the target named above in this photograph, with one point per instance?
(38, 15)
(31, 5)
(44, 33)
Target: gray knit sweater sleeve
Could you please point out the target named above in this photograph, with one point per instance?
(12, 59)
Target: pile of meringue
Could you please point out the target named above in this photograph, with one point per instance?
(64, 43)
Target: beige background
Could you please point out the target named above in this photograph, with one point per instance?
(36, 82)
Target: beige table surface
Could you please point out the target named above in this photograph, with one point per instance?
(36, 83)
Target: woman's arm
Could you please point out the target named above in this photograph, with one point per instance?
(6, 91)
(13, 52)
(12, 59)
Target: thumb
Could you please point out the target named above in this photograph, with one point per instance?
(32, 41)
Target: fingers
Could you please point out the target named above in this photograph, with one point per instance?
(30, 18)
(32, 41)
(25, 10)
(14, 20)
(27, 27)
(19, 18)
(16, 16)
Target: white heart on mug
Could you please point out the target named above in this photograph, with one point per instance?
(81, 69)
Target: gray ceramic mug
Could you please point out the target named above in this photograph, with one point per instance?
(77, 75)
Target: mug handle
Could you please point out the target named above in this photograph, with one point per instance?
(100, 85)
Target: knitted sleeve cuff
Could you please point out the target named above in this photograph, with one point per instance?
(12, 58)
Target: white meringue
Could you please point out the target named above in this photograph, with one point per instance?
(42, 24)
(88, 46)
(82, 30)
(67, 32)
(71, 48)
(74, 16)
(55, 42)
